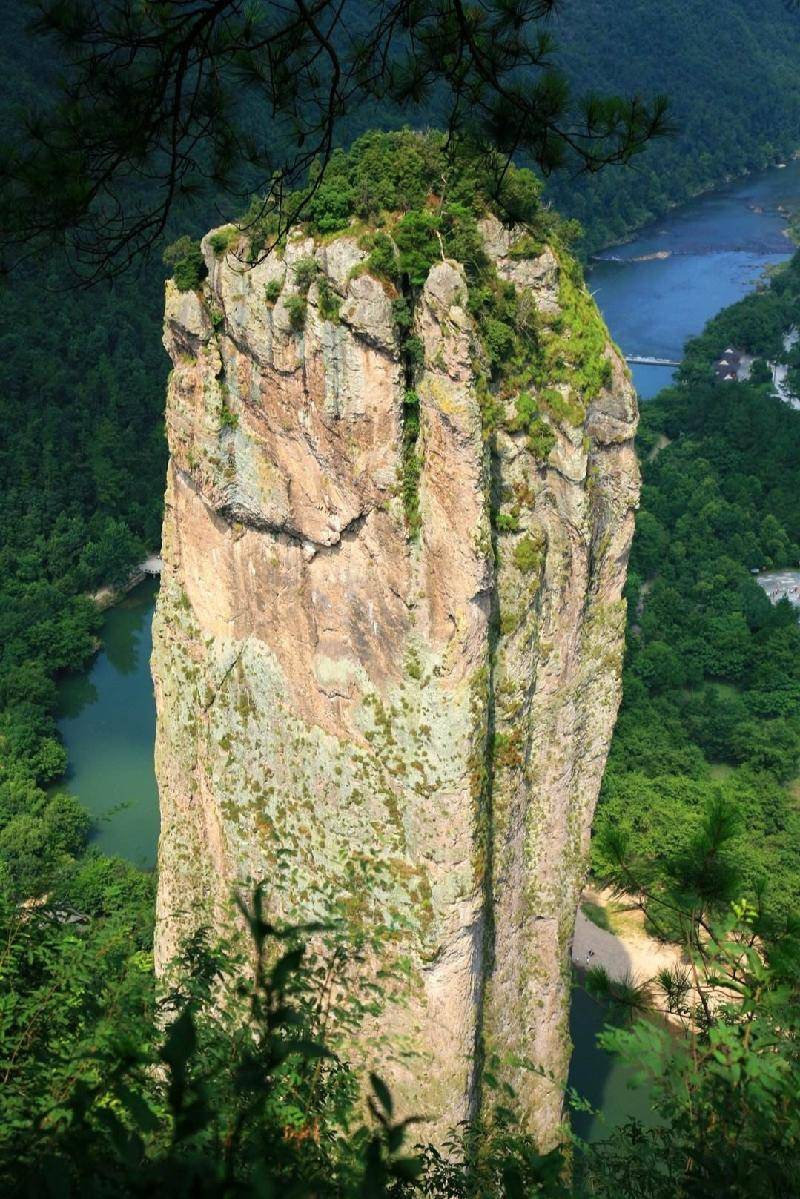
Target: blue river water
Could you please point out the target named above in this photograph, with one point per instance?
(713, 251)
(718, 248)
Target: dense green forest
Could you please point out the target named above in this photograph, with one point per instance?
(712, 683)
(81, 479)
(82, 461)
(730, 71)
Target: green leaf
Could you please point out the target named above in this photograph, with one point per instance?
(143, 1115)
(407, 1168)
(285, 967)
(181, 1041)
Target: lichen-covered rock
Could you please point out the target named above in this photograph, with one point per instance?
(417, 725)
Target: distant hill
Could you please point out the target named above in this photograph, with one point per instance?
(731, 70)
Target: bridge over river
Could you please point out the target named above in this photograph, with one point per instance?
(647, 360)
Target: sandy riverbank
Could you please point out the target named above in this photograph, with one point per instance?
(656, 256)
(626, 952)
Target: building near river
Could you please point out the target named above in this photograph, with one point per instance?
(781, 584)
(727, 368)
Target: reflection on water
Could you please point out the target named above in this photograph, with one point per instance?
(122, 635)
(74, 694)
(598, 1076)
(107, 721)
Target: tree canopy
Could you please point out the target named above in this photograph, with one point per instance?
(158, 103)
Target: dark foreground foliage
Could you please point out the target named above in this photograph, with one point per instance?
(234, 1082)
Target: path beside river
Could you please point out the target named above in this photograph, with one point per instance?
(628, 952)
(149, 568)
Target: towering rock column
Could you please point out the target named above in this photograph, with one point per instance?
(411, 730)
(555, 693)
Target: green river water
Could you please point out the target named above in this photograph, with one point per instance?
(108, 722)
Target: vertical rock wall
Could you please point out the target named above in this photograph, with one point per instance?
(555, 693)
(410, 730)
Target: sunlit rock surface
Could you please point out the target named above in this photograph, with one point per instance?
(409, 730)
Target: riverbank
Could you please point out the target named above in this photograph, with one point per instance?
(107, 597)
(598, 251)
(718, 249)
(624, 950)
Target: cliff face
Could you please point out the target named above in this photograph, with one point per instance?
(408, 726)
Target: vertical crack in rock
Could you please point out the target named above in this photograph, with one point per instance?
(388, 641)
(485, 819)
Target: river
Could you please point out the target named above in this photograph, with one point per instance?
(718, 248)
(107, 719)
(713, 252)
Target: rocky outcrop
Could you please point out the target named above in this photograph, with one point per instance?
(409, 729)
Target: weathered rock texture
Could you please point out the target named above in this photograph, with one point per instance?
(421, 724)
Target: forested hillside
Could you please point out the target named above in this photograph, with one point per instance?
(82, 460)
(730, 71)
(81, 479)
(712, 685)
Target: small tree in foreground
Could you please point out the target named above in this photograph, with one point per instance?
(235, 1082)
(724, 1076)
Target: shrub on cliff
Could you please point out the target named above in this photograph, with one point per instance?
(296, 308)
(444, 185)
(187, 262)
